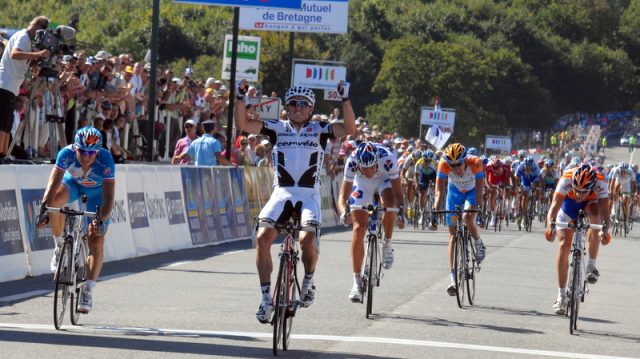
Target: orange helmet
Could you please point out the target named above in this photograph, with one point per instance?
(584, 178)
(455, 153)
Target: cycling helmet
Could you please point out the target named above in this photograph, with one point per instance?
(584, 178)
(610, 166)
(549, 163)
(472, 151)
(624, 166)
(416, 154)
(88, 139)
(575, 160)
(300, 91)
(455, 153)
(528, 162)
(411, 148)
(522, 154)
(507, 160)
(496, 162)
(366, 154)
(428, 155)
(387, 143)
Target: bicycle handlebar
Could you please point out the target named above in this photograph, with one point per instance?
(71, 212)
(573, 225)
(470, 210)
(370, 207)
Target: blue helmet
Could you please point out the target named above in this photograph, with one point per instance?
(549, 163)
(472, 151)
(528, 162)
(366, 154)
(88, 139)
(428, 154)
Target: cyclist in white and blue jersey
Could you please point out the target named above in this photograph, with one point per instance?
(82, 168)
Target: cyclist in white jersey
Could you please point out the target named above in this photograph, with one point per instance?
(298, 152)
(370, 168)
(622, 183)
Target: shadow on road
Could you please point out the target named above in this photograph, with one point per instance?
(606, 335)
(448, 323)
(161, 345)
(514, 311)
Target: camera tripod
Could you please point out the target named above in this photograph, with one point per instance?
(53, 113)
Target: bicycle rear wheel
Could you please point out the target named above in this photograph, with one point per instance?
(80, 270)
(372, 259)
(61, 291)
(470, 271)
(458, 262)
(280, 304)
(574, 297)
(292, 296)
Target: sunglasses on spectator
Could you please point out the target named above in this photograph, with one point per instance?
(87, 153)
(299, 103)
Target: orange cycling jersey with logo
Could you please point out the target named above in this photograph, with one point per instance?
(466, 182)
(565, 189)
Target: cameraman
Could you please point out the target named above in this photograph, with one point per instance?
(13, 66)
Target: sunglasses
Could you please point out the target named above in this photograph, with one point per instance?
(581, 192)
(299, 103)
(456, 165)
(87, 153)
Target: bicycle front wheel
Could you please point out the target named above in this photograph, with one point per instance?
(61, 291)
(458, 262)
(372, 263)
(280, 304)
(574, 296)
(470, 272)
(80, 270)
(292, 296)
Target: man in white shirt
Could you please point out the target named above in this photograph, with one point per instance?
(13, 66)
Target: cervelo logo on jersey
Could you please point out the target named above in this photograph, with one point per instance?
(297, 144)
(320, 73)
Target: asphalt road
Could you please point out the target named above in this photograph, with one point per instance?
(202, 302)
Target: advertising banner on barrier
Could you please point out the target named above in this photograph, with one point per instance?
(251, 192)
(248, 59)
(318, 76)
(10, 235)
(39, 238)
(500, 143)
(156, 211)
(119, 243)
(222, 191)
(193, 205)
(214, 229)
(137, 185)
(239, 202)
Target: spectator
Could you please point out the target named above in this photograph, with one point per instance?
(205, 150)
(13, 66)
(251, 150)
(183, 144)
(261, 160)
(267, 154)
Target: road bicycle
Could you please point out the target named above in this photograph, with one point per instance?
(529, 214)
(465, 264)
(371, 272)
(501, 205)
(286, 295)
(69, 277)
(577, 287)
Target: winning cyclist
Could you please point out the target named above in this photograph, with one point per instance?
(466, 180)
(580, 188)
(298, 153)
(370, 168)
(497, 174)
(83, 168)
(425, 176)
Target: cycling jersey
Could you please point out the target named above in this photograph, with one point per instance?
(297, 161)
(624, 181)
(410, 168)
(527, 179)
(466, 182)
(498, 175)
(78, 182)
(363, 187)
(426, 174)
(549, 176)
(570, 205)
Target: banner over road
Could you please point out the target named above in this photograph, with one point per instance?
(282, 4)
(315, 16)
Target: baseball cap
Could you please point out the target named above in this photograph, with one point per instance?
(210, 81)
(207, 122)
(90, 60)
(128, 69)
(102, 55)
(190, 122)
(265, 142)
(177, 80)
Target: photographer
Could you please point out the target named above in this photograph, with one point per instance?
(13, 66)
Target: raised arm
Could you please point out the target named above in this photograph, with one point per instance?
(348, 128)
(244, 123)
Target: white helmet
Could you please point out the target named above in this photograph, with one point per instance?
(305, 92)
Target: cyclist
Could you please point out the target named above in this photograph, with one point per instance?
(298, 148)
(564, 165)
(370, 168)
(497, 174)
(581, 188)
(472, 151)
(465, 177)
(407, 174)
(425, 176)
(623, 183)
(83, 168)
(528, 174)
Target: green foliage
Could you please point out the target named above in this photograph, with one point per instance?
(501, 64)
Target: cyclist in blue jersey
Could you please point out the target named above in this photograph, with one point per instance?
(528, 175)
(425, 175)
(82, 168)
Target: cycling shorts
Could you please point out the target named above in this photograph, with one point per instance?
(275, 210)
(570, 209)
(94, 197)
(456, 198)
(363, 189)
(424, 181)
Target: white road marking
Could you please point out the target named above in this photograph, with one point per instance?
(31, 294)
(232, 252)
(331, 338)
(178, 263)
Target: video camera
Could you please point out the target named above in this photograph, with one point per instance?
(60, 41)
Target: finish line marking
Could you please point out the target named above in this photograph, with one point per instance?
(331, 338)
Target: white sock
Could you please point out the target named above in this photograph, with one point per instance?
(58, 240)
(90, 284)
(591, 263)
(562, 292)
(387, 241)
(453, 276)
(357, 279)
